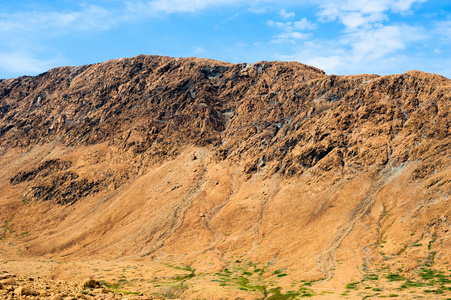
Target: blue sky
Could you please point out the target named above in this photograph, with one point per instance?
(338, 36)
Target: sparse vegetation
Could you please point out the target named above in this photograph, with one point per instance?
(276, 294)
(7, 227)
(371, 277)
(247, 276)
(352, 286)
(173, 291)
(394, 277)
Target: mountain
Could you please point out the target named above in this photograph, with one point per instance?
(200, 163)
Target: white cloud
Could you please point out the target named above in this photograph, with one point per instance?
(290, 37)
(304, 24)
(331, 64)
(379, 41)
(194, 6)
(368, 43)
(352, 20)
(199, 50)
(257, 10)
(177, 6)
(25, 36)
(369, 50)
(54, 23)
(287, 15)
(443, 30)
(290, 30)
(355, 13)
(403, 6)
(330, 9)
(25, 63)
(280, 25)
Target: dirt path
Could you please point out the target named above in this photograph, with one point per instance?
(327, 261)
(219, 237)
(178, 216)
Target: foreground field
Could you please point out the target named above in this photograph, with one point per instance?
(140, 279)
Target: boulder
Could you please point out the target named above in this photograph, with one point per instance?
(23, 291)
(8, 281)
(91, 284)
(5, 276)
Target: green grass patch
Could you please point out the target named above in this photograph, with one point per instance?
(352, 286)
(437, 291)
(306, 292)
(427, 274)
(276, 294)
(371, 277)
(394, 277)
(411, 283)
(116, 287)
(184, 277)
(183, 267)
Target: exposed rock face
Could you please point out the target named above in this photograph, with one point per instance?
(258, 150)
(277, 117)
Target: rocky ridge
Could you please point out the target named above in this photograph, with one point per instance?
(277, 117)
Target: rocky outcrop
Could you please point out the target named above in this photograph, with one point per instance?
(275, 117)
(18, 287)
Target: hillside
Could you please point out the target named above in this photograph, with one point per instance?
(274, 170)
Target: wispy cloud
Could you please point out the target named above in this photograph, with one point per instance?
(303, 24)
(287, 15)
(375, 43)
(88, 18)
(356, 13)
(290, 37)
(443, 30)
(177, 6)
(196, 6)
(199, 50)
(257, 10)
(25, 36)
(369, 40)
(23, 62)
(290, 30)
(369, 50)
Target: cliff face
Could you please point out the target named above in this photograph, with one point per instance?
(151, 155)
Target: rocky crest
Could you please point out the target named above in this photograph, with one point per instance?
(276, 117)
